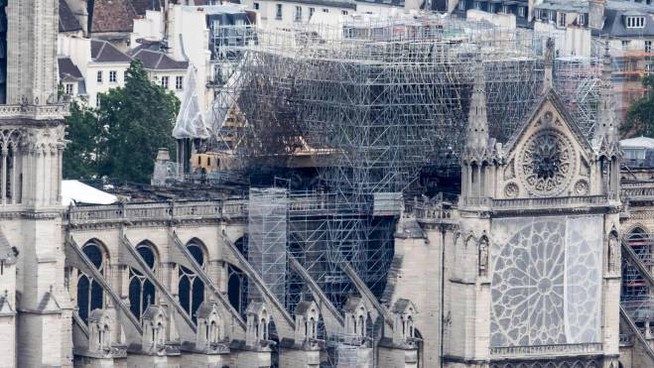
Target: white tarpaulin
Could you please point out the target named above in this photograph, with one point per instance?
(74, 191)
(217, 114)
(546, 281)
(190, 120)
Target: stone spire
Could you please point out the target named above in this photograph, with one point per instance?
(32, 30)
(548, 81)
(477, 132)
(606, 135)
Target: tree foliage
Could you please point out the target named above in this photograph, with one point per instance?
(83, 130)
(120, 138)
(640, 118)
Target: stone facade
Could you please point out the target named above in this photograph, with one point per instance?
(524, 271)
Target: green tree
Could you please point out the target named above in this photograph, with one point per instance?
(83, 132)
(640, 118)
(131, 124)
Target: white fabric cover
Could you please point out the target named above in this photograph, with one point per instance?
(226, 98)
(74, 191)
(190, 119)
(546, 280)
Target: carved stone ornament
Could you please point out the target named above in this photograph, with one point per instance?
(547, 163)
(581, 187)
(511, 190)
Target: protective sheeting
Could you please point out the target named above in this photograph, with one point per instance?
(546, 281)
(74, 192)
(190, 120)
(217, 114)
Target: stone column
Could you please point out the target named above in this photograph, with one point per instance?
(5, 160)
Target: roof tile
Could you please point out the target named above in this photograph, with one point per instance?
(112, 16)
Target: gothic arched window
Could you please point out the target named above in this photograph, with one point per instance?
(89, 293)
(634, 286)
(191, 287)
(141, 290)
(237, 289)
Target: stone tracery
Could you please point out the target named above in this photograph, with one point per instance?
(545, 280)
(547, 161)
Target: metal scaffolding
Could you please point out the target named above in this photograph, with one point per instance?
(267, 217)
(372, 101)
(381, 98)
(326, 230)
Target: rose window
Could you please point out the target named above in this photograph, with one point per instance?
(547, 162)
(546, 282)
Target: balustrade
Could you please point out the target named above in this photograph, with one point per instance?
(156, 211)
(428, 211)
(638, 192)
(41, 111)
(556, 202)
(546, 350)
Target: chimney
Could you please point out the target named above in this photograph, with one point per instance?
(596, 14)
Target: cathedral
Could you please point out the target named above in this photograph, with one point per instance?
(525, 271)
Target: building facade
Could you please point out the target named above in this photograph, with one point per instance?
(524, 271)
(35, 311)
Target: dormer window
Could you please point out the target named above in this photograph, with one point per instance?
(581, 19)
(543, 14)
(635, 21)
(562, 20)
(521, 12)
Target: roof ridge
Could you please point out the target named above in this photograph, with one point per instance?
(159, 61)
(104, 43)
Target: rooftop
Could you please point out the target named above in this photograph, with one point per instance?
(112, 16)
(67, 69)
(104, 52)
(158, 60)
(141, 6)
(67, 20)
(227, 8)
(582, 6)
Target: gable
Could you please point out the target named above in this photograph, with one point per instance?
(548, 156)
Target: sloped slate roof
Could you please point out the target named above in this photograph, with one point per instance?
(303, 307)
(140, 6)
(401, 305)
(67, 20)
(104, 52)
(398, 3)
(68, 69)
(157, 60)
(352, 304)
(614, 24)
